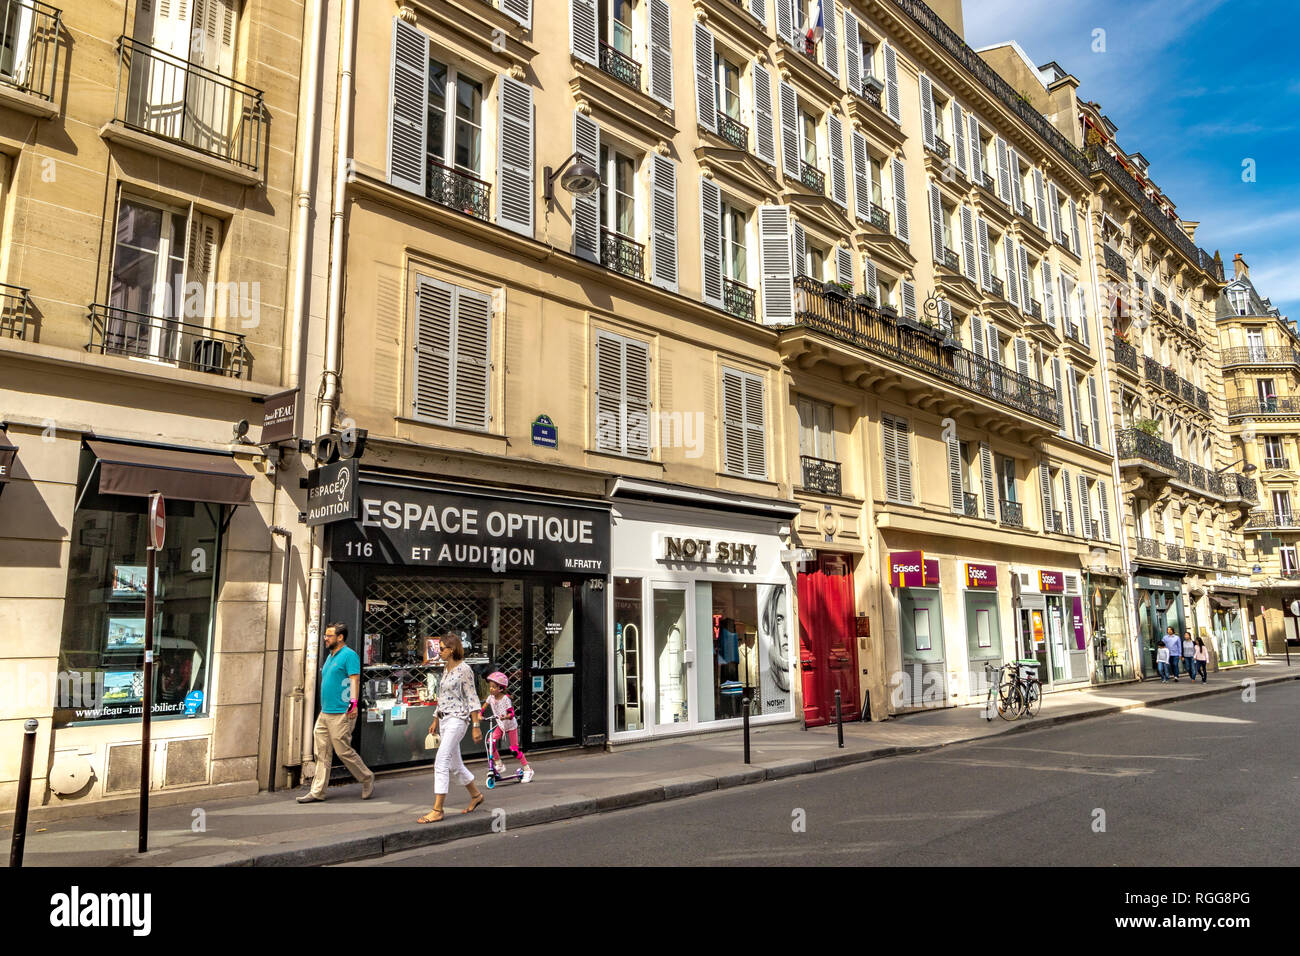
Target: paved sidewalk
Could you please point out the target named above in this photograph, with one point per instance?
(274, 830)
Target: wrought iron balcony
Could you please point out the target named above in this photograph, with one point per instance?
(1083, 433)
(29, 45)
(1103, 162)
(1115, 261)
(733, 131)
(812, 177)
(1202, 400)
(1148, 548)
(1055, 522)
(1125, 354)
(1012, 513)
(1173, 552)
(1284, 405)
(820, 475)
(15, 311)
(620, 66)
(167, 341)
(1247, 488)
(1273, 519)
(738, 299)
(1161, 301)
(880, 217)
(950, 260)
(971, 504)
(1134, 443)
(1154, 373)
(875, 330)
(178, 101)
(1183, 468)
(941, 148)
(620, 254)
(1261, 355)
(1072, 332)
(1198, 478)
(997, 288)
(1276, 462)
(872, 96)
(459, 190)
(1187, 391)
(1036, 309)
(1221, 561)
(1171, 380)
(990, 184)
(1215, 485)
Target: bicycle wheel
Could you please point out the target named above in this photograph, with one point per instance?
(1010, 702)
(1033, 697)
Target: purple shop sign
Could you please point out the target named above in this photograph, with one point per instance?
(1049, 581)
(1077, 612)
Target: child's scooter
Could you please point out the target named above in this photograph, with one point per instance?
(494, 775)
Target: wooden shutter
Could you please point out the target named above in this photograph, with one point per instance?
(663, 222)
(899, 179)
(959, 136)
(661, 52)
(861, 177)
(434, 311)
(1022, 356)
(755, 428)
(201, 271)
(758, 8)
(986, 273)
(586, 209)
(1084, 320)
(636, 398)
(993, 343)
(1085, 508)
(844, 265)
(408, 107)
(790, 157)
(1103, 505)
(870, 280)
(970, 264)
(1004, 171)
(892, 108)
(764, 121)
(473, 331)
(1040, 201)
(889, 451)
(1049, 305)
(1026, 283)
(800, 251)
(1096, 411)
(1068, 506)
(785, 20)
(515, 191)
(1054, 210)
(1060, 391)
(936, 223)
(830, 38)
(1045, 492)
(1017, 199)
(1067, 325)
(521, 10)
(909, 299)
(711, 241)
(977, 343)
(1072, 382)
(976, 152)
(706, 106)
(839, 180)
(611, 429)
(583, 32)
(986, 477)
(774, 248)
(1009, 256)
(945, 317)
(896, 440)
(956, 493)
(852, 53)
(1074, 230)
(927, 110)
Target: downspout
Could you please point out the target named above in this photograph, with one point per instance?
(329, 387)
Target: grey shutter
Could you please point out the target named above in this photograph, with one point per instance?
(1060, 391)
(1022, 356)
(830, 38)
(927, 110)
(586, 209)
(871, 280)
(609, 394)
(844, 265)
(764, 121)
(711, 241)
(521, 10)
(636, 398)
(899, 179)
(759, 10)
(755, 428)
(889, 450)
(945, 317)
(790, 157)
(839, 180)
(1096, 411)
(1054, 210)
(473, 331)
(663, 222)
(706, 105)
(408, 107)
(852, 53)
(986, 476)
(1040, 202)
(582, 31)
(1085, 509)
(1026, 284)
(1049, 305)
(785, 20)
(1045, 493)
(1104, 507)
(986, 274)
(1072, 382)
(1084, 320)
(515, 191)
(903, 449)
(956, 494)
(661, 52)
(994, 343)
(977, 344)
(909, 299)
(434, 316)
(800, 251)
(969, 260)
(778, 273)
(1009, 255)
(1017, 199)
(959, 136)
(733, 422)
(1004, 171)
(861, 177)
(1069, 501)
(1074, 229)
(1067, 324)
(976, 152)
(892, 107)
(936, 223)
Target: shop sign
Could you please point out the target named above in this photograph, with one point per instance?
(1232, 580)
(545, 433)
(798, 554)
(1077, 616)
(912, 569)
(1050, 581)
(278, 413)
(1157, 584)
(981, 575)
(332, 493)
(704, 551)
(434, 528)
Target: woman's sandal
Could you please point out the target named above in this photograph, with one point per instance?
(473, 804)
(430, 818)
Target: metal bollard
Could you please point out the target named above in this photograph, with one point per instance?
(839, 719)
(24, 794)
(744, 708)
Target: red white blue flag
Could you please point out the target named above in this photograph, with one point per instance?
(814, 22)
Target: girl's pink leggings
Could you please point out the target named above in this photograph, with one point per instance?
(514, 745)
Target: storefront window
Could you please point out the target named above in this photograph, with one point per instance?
(101, 657)
(627, 655)
(731, 627)
(670, 654)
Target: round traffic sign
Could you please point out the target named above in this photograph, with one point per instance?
(157, 521)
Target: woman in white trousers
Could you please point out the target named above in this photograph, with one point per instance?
(458, 706)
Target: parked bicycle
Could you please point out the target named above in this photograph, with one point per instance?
(1016, 692)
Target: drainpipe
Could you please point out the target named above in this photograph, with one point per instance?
(329, 386)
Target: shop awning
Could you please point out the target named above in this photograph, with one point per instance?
(1226, 603)
(183, 475)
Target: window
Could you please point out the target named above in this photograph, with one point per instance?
(735, 263)
(452, 357)
(896, 439)
(1288, 556)
(808, 138)
(1282, 506)
(727, 87)
(1007, 478)
(816, 429)
(617, 192)
(622, 395)
(616, 25)
(455, 132)
(1273, 457)
(743, 424)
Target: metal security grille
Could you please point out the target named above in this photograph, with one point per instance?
(543, 611)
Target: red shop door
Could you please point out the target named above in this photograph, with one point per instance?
(827, 641)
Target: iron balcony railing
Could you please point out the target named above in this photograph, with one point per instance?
(459, 190)
(1148, 548)
(880, 217)
(1202, 400)
(1187, 391)
(177, 101)
(1073, 333)
(1173, 552)
(872, 96)
(738, 299)
(1115, 261)
(1261, 355)
(167, 341)
(1276, 462)
(15, 311)
(1135, 443)
(1125, 354)
(820, 475)
(1284, 405)
(970, 504)
(876, 331)
(1221, 561)
(990, 184)
(997, 288)
(1055, 522)
(1215, 484)
(620, 66)
(950, 260)
(1247, 488)
(1012, 513)
(1103, 162)
(620, 254)
(812, 177)
(941, 148)
(1161, 301)
(1154, 373)
(1272, 519)
(1036, 309)
(29, 46)
(1197, 477)
(733, 131)
(1171, 380)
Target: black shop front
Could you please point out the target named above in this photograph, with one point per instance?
(520, 577)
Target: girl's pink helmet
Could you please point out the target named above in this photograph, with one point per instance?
(498, 678)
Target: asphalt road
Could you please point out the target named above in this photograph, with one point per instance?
(1212, 782)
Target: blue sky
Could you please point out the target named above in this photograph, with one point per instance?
(1198, 87)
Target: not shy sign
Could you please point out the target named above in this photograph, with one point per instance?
(705, 551)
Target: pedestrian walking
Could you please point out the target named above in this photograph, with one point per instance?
(1189, 655)
(1202, 657)
(507, 727)
(1175, 647)
(1162, 663)
(458, 704)
(340, 685)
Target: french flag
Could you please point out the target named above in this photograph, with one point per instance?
(814, 34)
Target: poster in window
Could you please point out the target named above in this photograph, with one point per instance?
(982, 629)
(921, 625)
(125, 634)
(774, 648)
(129, 580)
(123, 687)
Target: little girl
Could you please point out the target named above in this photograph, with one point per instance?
(504, 711)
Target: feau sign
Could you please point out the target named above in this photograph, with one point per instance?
(157, 521)
(278, 414)
(704, 551)
(332, 493)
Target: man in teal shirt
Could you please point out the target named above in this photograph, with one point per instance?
(340, 685)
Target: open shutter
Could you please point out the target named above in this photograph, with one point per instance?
(755, 429)
(1045, 492)
(201, 269)
(1022, 357)
(909, 299)
(1074, 229)
(661, 53)
(1084, 320)
(956, 494)
(1060, 392)
(927, 110)
(473, 330)
(1049, 297)
(1069, 501)
(1026, 281)
(1072, 382)
(976, 152)
(970, 263)
(977, 344)
(986, 274)
(870, 280)
(945, 318)
(986, 478)
(889, 450)
(774, 245)
(1040, 201)
(733, 422)
(852, 53)
(861, 177)
(785, 20)
(521, 10)
(1017, 199)
(408, 107)
(844, 266)
(1096, 411)
(586, 209)
(790, 157)
(758, 8)
(711, 241)
(663, 222)
(764, 121)
(830, 38)
(994, 343)
(1004, 171)
(434, 310)
(515, 192)
(839, 180)
(610, 423)
(899, 180)
(1103, 505)
(706, 105)
(636, 398)
(583, 32)
(1063, 304)
(959, 137)
(1054, 210)
(936, 223)
(1009, 256)
(1085, 509)
(800, 251)
(892, 107)
(903, 448)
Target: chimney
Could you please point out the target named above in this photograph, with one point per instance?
(1239, 267)
(1189, 228)
(949, 12)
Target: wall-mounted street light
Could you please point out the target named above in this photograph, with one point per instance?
(577, 176)
(1248, 469)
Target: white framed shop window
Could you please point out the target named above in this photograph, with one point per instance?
(921, 621)
(983, 628)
